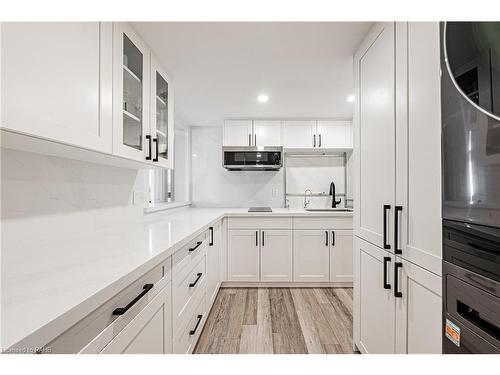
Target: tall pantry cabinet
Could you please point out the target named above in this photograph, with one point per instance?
(397, 221)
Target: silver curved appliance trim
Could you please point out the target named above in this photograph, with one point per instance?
(445, 52)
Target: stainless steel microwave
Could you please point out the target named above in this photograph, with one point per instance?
(244, 158)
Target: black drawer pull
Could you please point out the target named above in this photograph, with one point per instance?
(386, 208)
(326, 238)
(148, 138)
(191, 333)
(155, 140)
(263, 238)
(211, 243)
(256, 238)
(333, 238)
(397, 293)
(197, 246)
(196, 281)
(397, 209)
(122, 310)
(386, 284)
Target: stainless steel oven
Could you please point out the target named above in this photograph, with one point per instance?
(470, 113)
(471, 280)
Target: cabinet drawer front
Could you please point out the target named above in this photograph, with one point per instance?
(187, 336)
(187, 286)
(148, 332)
(96, 330)
(260, 222)
(320, 222)
(191, 252)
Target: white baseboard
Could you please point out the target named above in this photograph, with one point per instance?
(275, 284)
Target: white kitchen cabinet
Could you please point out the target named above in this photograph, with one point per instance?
(418, 144)
(374, 311)
(341, 245)
(160, 138)
(401, 171)
(150, 332)
(243, 255)
(311, 255)
(131, 93)
(267, 133)
(276, 255)
(374, 147)
(238, 133)
(299, 134)
(334, 134)
(213, 262)
(57, 82)
(418, 310)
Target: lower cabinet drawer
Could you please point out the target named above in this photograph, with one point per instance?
(96, 330)
(186, 338)
(150, 332)
(188, 285)
(262, 222)
(322, 222)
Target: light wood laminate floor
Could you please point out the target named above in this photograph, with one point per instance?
(279, 320)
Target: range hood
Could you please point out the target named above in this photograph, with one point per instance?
(246, 158)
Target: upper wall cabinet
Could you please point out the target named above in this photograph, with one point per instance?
(317, 134)
(131, 94)
(307, 134)
(299, 134)
(267, 133)
(57, 80)
(238, 133)
(92, 85)
(161, 131)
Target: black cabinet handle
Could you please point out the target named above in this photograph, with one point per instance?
(256, 238)
(196, 281)
(255, 144)
(333, 238)
(397, 293)
(397, 210)
(386, 208)
(155, 140)
(386, 284)
(148, 138)
(319, 136)
(314, 140)
(326, 238)
(122, 310)
(249, 139)
(263, 238)
(211, 243)
(191, 333)
(197, 246)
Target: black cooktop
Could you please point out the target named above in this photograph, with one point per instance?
(260, 209)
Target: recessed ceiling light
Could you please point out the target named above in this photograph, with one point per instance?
(262, 98)
(350, 98)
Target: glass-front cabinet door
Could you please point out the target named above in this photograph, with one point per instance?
(131, 94)
(162, 119)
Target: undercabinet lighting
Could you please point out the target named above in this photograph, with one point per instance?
(350, 98)
(262, 98)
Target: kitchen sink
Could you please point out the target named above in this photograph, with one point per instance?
(330, 209)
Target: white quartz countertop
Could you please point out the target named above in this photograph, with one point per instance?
(48, 287)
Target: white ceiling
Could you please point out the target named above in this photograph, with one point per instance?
(219, 68)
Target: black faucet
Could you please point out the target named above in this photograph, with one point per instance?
(332, 193)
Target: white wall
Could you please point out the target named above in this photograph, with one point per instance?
(214, 186)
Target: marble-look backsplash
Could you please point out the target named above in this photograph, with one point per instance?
(45, 197)
(214, 186)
